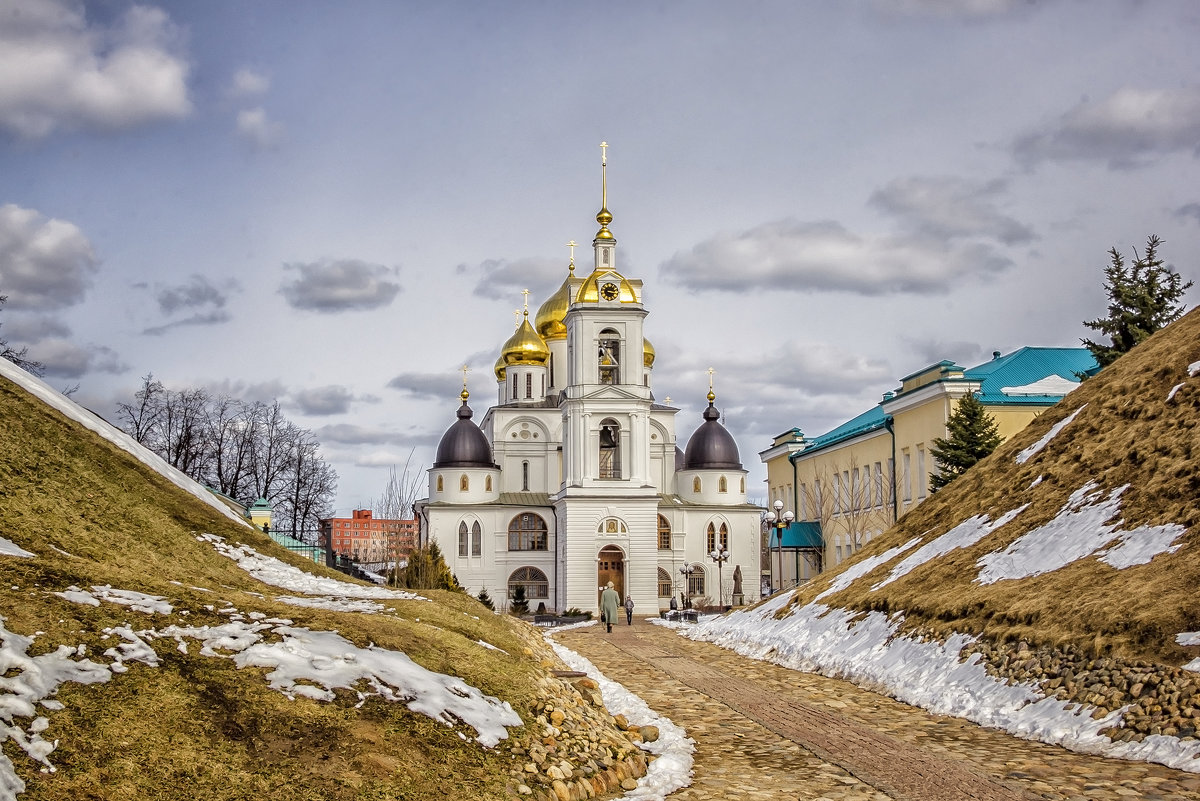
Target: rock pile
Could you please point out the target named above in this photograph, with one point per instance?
(572, 749)
(1160, 699)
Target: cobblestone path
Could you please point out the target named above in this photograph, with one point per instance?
(766, 732)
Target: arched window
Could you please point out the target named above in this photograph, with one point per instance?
(712, 537)
(464, 483)
(664, 584)
(609, 356)
(527, 532)
(533, 580)
(610, 449)
(696, 484)
(439, 484)
(724, 537)
(743, 485)
(476, 539)
(462, 538)
(524, 476)
(487, 483)
(696, 582)
(664, 534)
(722, 485)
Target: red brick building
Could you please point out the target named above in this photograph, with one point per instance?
(365, 538)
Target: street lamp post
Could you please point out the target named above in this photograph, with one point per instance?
(779, 520)
(686, 571)
(720, 556)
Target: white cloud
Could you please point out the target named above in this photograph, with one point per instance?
(59, 71)
(948, 207)
(30, 328)
(249, 83)
(805, 256)
(967, 9)
(501, 277)
(1126, 129)
(44, 263)
(331, 399)
(340, 285)
(260, 131)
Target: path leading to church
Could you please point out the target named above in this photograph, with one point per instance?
(764, 732)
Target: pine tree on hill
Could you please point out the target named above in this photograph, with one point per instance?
(519, 604)
(1143, 298)
(486, 599)
(973, 435)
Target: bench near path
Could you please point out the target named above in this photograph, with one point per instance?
(765, 732)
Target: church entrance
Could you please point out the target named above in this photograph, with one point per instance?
(610, 566)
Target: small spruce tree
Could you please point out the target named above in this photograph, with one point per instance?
(1142, 298)
(519, 605)
(973, 435)
(425, 570)
(486, 599)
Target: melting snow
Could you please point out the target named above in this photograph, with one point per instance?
(1027, 454)
(137, 601)
(964, 535)
(9, 548)
(1079, 530)
(333, 604)
(843, 580)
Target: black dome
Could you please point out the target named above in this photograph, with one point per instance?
(711, 447)
(463, 444)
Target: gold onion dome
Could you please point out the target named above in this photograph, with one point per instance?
(501, 369)
(604, 217)
(525, 346)
(590, 290)
(647, 353)
(549, 321)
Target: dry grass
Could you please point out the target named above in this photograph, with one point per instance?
(196, 727)
(1127, 434)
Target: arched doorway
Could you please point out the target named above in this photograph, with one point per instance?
(610, 566)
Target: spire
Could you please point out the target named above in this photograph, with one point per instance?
(464, 394)
(604, 217)
(711, 395)
(571, 267)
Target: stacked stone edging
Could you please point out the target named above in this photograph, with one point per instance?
(1161, 699)
(572, 749)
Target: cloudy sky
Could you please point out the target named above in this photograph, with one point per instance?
(338, 204)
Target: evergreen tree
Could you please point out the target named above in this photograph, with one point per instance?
(973, 435)
(486, 599)
(425, 570)
(519, 605)
(1142, 298)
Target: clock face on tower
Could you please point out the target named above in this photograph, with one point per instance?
(610, 291)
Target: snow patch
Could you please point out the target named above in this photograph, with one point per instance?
(844, 579)
(332, 604)
(10, 548)
(1079, 530)
(964, 535)
(1027, 454)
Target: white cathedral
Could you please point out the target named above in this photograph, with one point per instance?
(575, 477)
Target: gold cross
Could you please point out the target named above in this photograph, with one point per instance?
(465, 370)
(516, 318)
(525, 292)
(572, 245)
(710, 375)
(604, 154)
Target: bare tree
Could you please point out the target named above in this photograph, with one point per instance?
(310, 485)
(852, 500)
(233, 426)
(396, 503)
(17, 357)
(141, 418)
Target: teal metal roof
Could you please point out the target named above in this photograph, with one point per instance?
(1026, 366)
(797, 534)
(870, 420)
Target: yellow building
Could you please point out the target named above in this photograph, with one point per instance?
(850, 484)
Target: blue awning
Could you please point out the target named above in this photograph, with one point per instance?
(797, 534)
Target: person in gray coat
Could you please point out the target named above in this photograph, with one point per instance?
(609, 601)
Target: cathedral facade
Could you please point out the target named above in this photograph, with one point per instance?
(575, 477)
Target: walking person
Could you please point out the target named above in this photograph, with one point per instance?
(609, 601)
(628, 610)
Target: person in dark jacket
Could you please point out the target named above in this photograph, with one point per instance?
(628, 610)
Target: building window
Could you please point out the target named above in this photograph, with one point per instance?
(724, 537)
(722, 485)
(476, 539)
(513, 386)
(906, 463)
(696, 485)
(529, 385)
(878, 484)
(743, 489)
(610, 449)
(487, 484)
(525, 476)
(664, 584)
(464, 483)
(527, 532)
(439, 484)
(462, 539)
(837, 493)
(922, 479)
(609, 356)
(712, 537)
(696, 582)
(664, 534)
(533, 580)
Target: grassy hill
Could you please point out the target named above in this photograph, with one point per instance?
(197, 725)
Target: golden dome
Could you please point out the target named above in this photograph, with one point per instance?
(604, 218)
(549, 321)
(501, 369)
(647, 353)
(589, 291)
(525, 346)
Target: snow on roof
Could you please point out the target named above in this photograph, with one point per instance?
(1050, 385)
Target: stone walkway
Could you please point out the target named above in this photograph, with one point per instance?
(765, 732)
